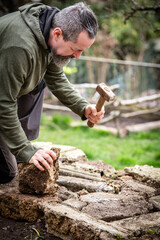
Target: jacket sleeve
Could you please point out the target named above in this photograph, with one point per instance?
(14, 67)
(59, 85)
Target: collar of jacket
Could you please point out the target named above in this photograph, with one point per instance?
(45, 20)
(31, 13)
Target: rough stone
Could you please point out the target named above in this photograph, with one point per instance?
(137, 225)
(131, 186)
(70, 224)
(145, 173)
(73, 171)
(77, 184)
(34, 181)
(19, 207)
(108, 206)
(95, 166)
(155, 201)
(75, 204)
(68, 154)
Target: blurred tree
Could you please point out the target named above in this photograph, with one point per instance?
(8, 6)
(132, 23)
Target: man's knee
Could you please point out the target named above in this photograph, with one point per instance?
(8, 166)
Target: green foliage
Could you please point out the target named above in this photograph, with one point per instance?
(126, 35)
(153, 231)
(118, 236)
(70, 70)
(38, 237)
(140, 148)
(63, 121)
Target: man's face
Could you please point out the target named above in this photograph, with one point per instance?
(62, 51)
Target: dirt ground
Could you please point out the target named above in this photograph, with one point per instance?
(17, 230)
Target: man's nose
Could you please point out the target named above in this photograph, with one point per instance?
(77, 54)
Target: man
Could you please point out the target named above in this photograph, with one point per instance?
(35, 43)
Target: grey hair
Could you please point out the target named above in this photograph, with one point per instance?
(74, 19)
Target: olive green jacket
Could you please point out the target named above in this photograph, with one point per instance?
(24, 61)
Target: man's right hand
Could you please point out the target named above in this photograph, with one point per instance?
(43, 157)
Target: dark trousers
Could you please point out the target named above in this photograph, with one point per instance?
(29, 113)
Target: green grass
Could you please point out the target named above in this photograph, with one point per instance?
(141, 148)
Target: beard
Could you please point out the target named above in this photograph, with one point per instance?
(59, 60)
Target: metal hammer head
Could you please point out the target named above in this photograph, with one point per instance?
(105, 92)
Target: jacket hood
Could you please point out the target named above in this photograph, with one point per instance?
(30, 14)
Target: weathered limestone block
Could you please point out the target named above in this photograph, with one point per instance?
(76, 184)
(108, 206)
(138, 225)
(68, 154)
(145, 173)
(74, 171)
(95, 166)
(72, 155)
(19, 207)
(70, 224)
(155, 201)
(34, 181)
(132, 186)
(74, 203)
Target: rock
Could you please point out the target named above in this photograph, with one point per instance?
(74, 171)
(138, 225)
(145, 173)
(77, 184)
(155, 201)
(133, 187)
(75, 204)
(63, 193)
(95, 166)
(108, 206)
(72, 155)
(70, 224)
(68, 154)
(34, 181)
(19, 207)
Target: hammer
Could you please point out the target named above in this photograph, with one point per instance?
(106, 94)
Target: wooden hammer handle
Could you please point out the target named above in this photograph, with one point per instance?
(99, 106)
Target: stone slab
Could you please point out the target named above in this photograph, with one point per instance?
(70, 224)
(145, 173)
(77, 184)
(19, 207)
(155, 201)
(68, 154)
(108, 206)
(133, 187)
(75, 204)
(136, 226)
(95, 166)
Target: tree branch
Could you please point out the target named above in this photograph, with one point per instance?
(138, 8)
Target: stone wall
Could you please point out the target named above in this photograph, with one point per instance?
(90, 200)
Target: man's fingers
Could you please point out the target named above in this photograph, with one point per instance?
(52, 154)
(39, 166)
(47, 157)
(43, 158)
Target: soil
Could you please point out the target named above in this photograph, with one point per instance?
(18, 230)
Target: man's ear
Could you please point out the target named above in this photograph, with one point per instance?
(57, 33)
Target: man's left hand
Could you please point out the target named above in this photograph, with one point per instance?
(92, 115)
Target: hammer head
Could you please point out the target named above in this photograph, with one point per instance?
(105, 92)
